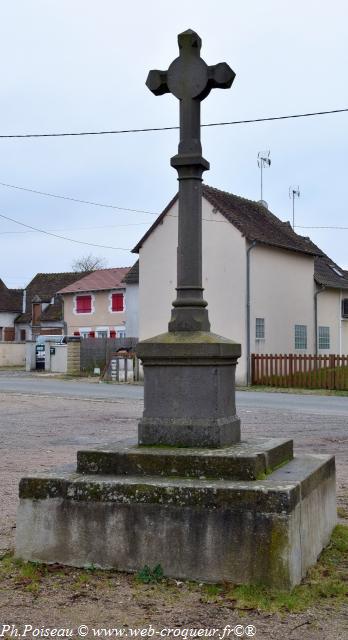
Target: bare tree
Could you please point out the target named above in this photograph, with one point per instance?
(88, 263)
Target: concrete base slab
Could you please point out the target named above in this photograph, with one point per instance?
(267, 531)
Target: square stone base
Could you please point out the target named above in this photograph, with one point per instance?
(261, 531)
(189, 390)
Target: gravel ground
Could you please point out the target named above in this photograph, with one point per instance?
(39, 433)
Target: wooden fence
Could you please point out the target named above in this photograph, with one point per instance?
(300, 371)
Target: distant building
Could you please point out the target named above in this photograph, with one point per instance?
(95, 305)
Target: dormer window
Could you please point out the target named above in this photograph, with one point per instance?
(336, 270)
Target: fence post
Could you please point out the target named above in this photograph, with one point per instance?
(291, 370)
(333, 371)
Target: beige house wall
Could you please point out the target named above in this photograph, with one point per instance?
(281, 292)
(329, 315)
(101, 317)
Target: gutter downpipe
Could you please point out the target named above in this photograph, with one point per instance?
(253, 244)
(322, 288)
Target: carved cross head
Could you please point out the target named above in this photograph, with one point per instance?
(189, 77)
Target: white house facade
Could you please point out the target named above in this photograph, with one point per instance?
(258, 278)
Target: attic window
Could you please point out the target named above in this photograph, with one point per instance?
(336, 270)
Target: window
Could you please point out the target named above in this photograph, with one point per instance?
(336, 270)
(300, 336)
(324, 337)
(260, 329)
(83, 304)
(117, 302)
(345, 308)
(23, 335)
(102, 334)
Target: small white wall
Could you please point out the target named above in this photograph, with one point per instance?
(7, 319)
(12, 354)
(132, 310)
(58, 360)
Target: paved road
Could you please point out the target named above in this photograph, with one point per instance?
(41, 385)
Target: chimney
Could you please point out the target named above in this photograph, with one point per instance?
(263, 203)
(24, 300)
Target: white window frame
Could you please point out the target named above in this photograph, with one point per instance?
(124, 300)
(84, 331)
(259, 325)
(324, 337)
(122, 328)
(297, 337)
(83, 293)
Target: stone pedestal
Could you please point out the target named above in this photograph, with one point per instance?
(249, 513)
(189, 382)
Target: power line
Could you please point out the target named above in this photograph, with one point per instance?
(148, 129)
(95, 204)
(298, 226)
(49, 233)
(105, 226)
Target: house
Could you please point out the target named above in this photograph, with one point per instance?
(94, 305)
(260, 280)
(42, 308)
(11, 304)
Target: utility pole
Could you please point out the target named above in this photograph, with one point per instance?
(263, 160)
(294, 192)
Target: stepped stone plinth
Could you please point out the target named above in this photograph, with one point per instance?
(249, 513)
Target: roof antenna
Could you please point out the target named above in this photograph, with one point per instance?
(294, 192)
(263, 160)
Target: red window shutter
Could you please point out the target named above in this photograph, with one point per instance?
(83, 304)
(91, 334)
(76, 333)
(112, 334)
(117, 302)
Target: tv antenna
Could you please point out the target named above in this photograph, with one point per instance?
(263, 160)
(294, 192)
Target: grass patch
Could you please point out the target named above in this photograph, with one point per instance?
(147, 575)
(327, 581)
(295, 390)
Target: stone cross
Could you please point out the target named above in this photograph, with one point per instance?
(190, 80)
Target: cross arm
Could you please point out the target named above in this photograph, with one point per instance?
(157, 82)
(220, 76)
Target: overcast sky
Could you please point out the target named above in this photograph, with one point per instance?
(81, 65)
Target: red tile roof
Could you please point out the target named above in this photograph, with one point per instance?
(101, 280)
